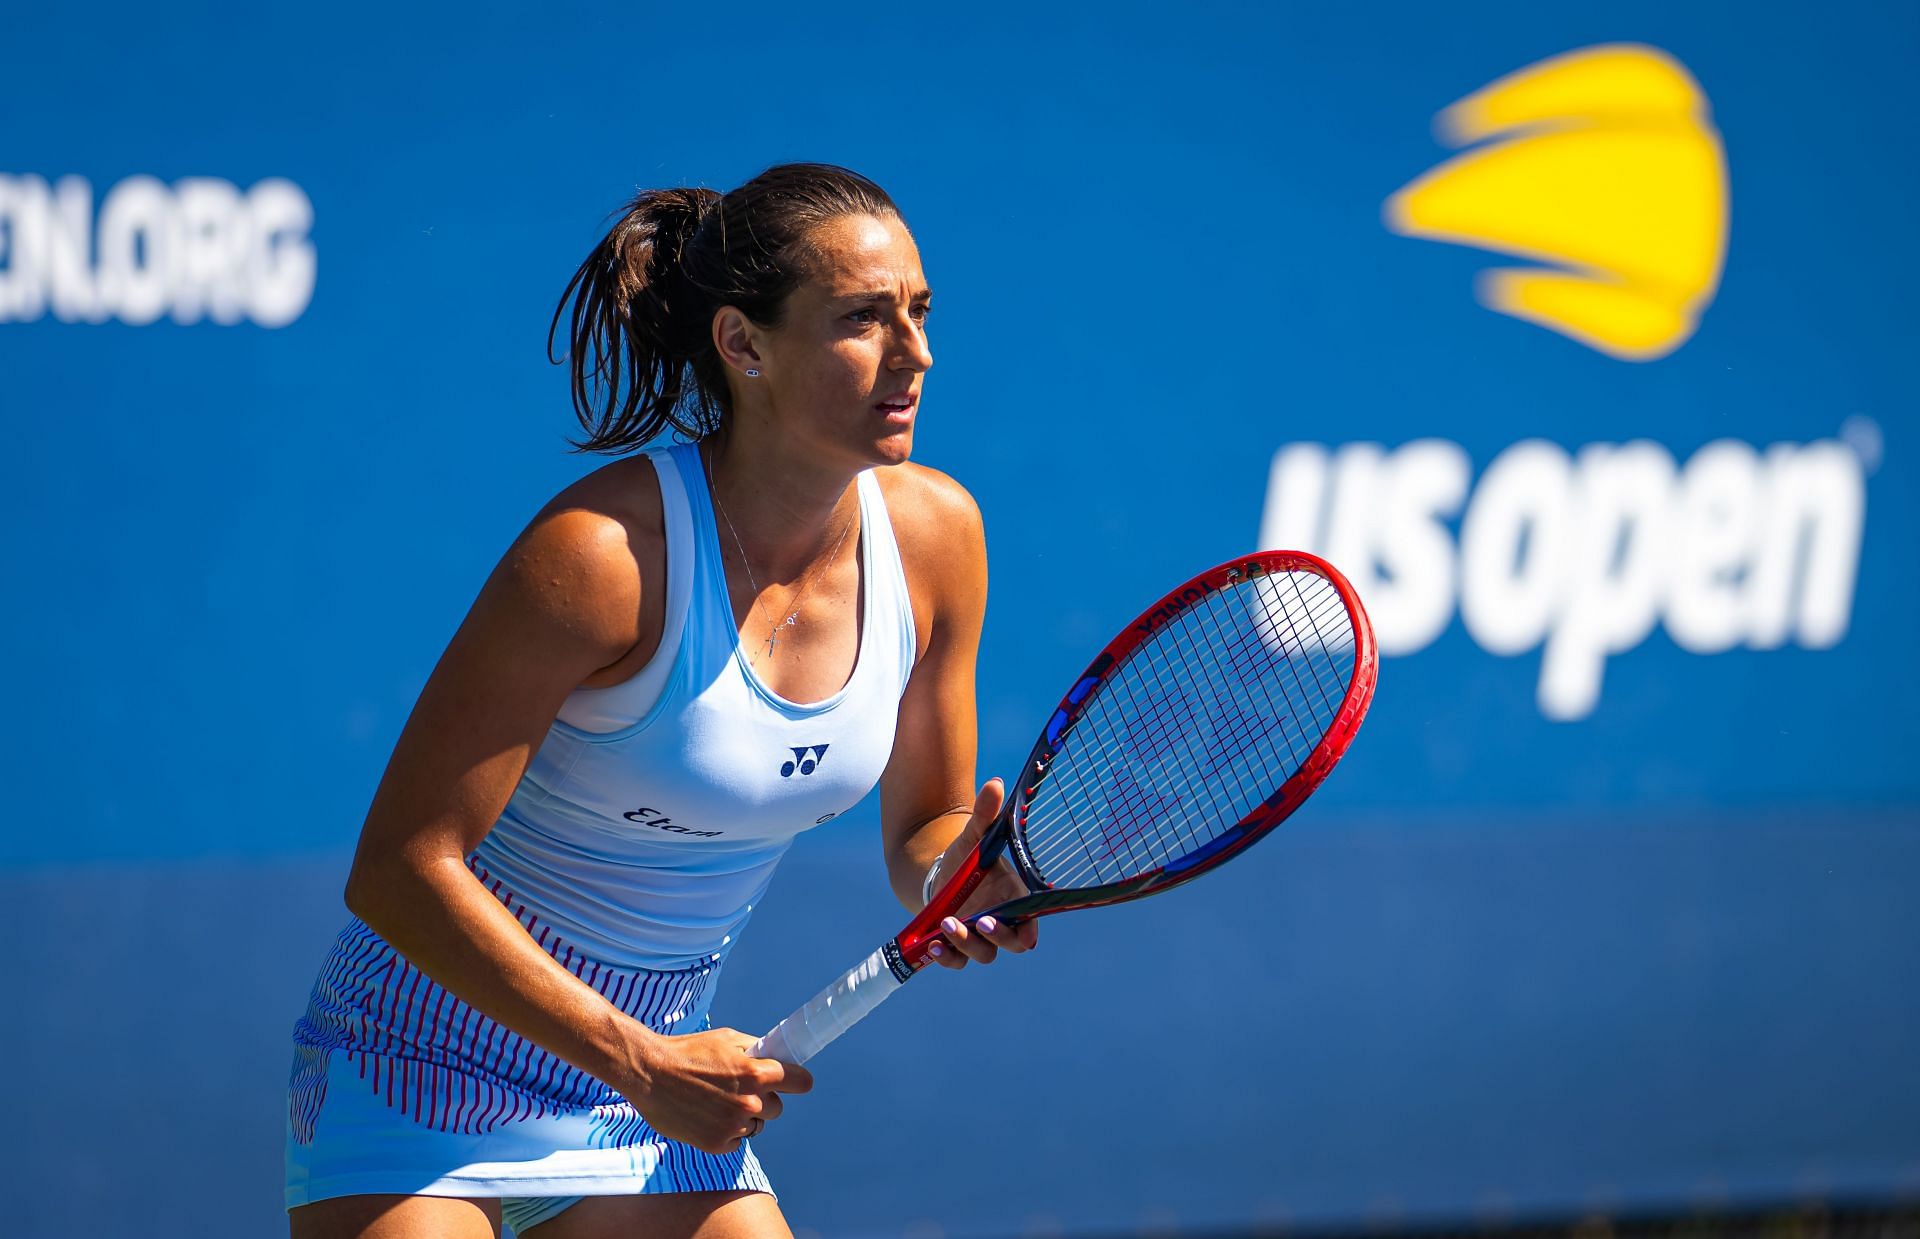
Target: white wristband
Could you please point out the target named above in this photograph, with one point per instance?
(926, 884)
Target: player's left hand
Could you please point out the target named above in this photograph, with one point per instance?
(980, 939)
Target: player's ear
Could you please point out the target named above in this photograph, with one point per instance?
(737, 339)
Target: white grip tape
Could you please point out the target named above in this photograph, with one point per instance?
(831, 1012)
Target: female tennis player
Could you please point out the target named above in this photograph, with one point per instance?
(687, 658)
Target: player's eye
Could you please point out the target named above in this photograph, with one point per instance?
(868, 314)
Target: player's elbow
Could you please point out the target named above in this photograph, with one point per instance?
(380, 888)
(363, 891)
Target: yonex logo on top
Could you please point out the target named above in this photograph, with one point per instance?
(806, 759)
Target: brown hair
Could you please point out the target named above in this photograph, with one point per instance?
(640, 344)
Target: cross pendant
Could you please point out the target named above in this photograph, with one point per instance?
(773, 633)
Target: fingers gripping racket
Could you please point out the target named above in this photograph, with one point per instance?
(1196, 731)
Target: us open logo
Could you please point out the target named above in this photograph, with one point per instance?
(806, 759)
(1603, 167)
(1580, 553)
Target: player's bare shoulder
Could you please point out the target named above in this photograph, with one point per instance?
(942, 545)
(594, 559)
(932, 515)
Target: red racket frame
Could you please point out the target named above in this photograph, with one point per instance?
(913, 942)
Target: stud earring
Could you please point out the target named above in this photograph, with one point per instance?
(753, 374)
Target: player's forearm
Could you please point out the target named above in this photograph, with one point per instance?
(908, 865)
(446, 924)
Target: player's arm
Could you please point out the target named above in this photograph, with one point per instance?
(563, 603)
(929, 806)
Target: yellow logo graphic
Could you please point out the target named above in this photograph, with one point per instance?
(1606, 165)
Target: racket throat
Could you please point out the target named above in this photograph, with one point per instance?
(994, 844)
(924, 930)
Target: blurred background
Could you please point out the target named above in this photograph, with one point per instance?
(1573, 333)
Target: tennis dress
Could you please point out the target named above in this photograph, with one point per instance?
(634, 849)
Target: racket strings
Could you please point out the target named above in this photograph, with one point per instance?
(1196, 727)
(1247, 655)
(1137, 831)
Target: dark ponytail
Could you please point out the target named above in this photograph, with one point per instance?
(640, 346)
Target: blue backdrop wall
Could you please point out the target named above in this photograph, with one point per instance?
(1610, 908)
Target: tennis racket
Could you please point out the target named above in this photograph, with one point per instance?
(1196, 731)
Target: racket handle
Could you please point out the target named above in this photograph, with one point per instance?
(836, 1008)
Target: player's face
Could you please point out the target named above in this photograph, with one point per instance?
(846, 364)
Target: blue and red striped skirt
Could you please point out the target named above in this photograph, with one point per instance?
(398, 1086)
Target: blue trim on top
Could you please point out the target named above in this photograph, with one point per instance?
(676, 677)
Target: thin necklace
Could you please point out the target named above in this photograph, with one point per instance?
(806, 578)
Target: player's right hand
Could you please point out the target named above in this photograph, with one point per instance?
(708, 1090)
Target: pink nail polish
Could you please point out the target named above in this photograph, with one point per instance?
(987, 924)
(951, 925)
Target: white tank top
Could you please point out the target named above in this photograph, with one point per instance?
(649, 823)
